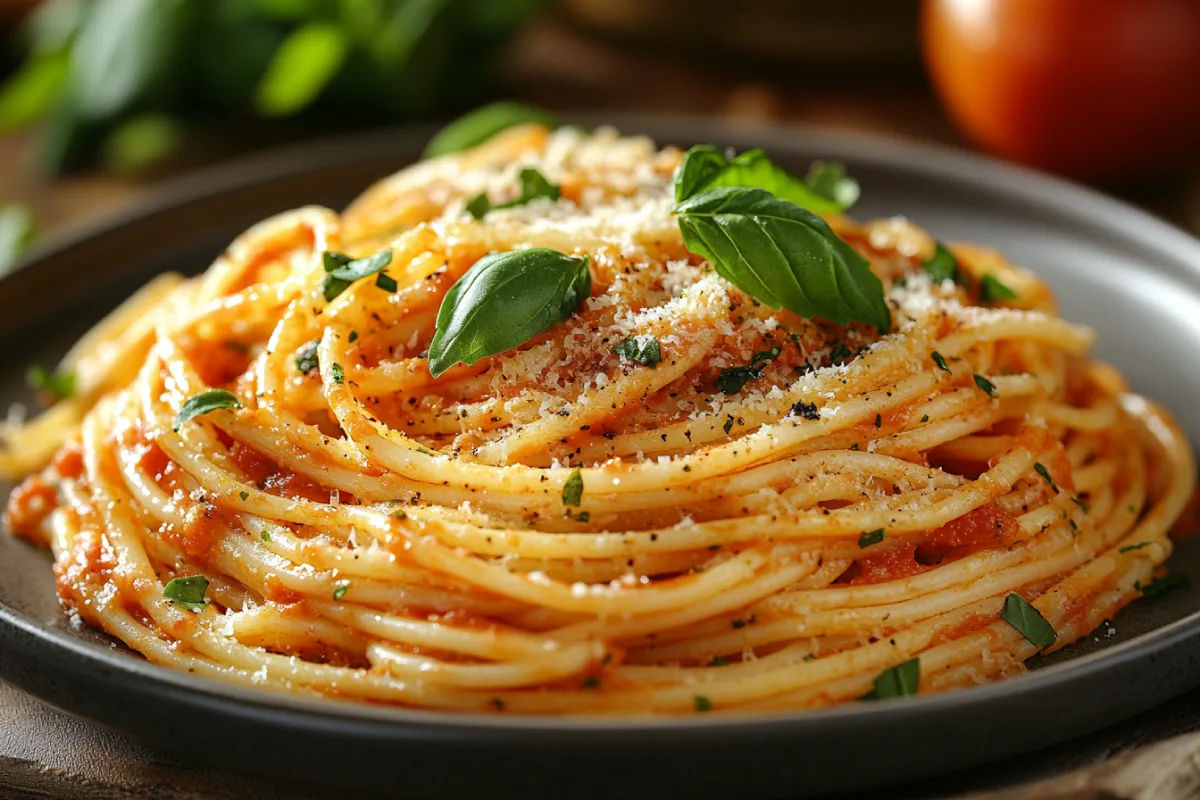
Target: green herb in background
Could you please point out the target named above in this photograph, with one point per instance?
(16, 233)
(127, 81)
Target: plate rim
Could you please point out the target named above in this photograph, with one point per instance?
(1084, 206)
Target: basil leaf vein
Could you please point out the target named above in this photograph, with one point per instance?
(503, 301)
(784, 255)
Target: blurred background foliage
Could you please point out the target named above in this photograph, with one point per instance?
(128, 81)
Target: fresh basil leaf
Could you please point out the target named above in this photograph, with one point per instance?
(1174, 580)
(901, 680)
(341, 271)
(16, 232)
(29, 95)
(301, 68)
(829, 179)
(141, 142)
(60, 384)
(644, 350)
(122, 47)
(942, 265)
(700, 167)
(204, 403)
(572, 493)
(482, 124)
(1028, 621)
(187, 592)
(870, 538)
(503, 301)
(992, 289)
(783, 255)
(704, 167)
(306, 357)
(533, 186)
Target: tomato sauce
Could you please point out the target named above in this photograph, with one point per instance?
(984, 527)
(28, 505)
(890, 564)
(277, 480)
(68, 461)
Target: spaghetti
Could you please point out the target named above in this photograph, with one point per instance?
(743, 509)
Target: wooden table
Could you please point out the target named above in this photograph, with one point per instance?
(47, 754)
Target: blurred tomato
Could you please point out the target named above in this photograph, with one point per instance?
(1087, 87)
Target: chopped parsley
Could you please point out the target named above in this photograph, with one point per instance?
(992, 289)
(940, 361)
(731, 380)
(1028, 621)
(340, 590)
(306, 357)
(1174, 580)
(1126, 548)
(718, 662)
(572, 492)
(337, 373)
(1040, 469)
(841, 353)
(942, 265)
(264, 535)
(591, 682)
(870, 538)
(702, 703)
(533, 186)
(243, 494)
(986, 385)
(1080, 503)
(641, 349)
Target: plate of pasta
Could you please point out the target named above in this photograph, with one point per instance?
(638, 454)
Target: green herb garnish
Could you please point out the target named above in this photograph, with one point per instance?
(1174, 580)
(1126, 548)
(1028, 621)
(306, 357)
(482, 124)
(204, 403)
(870, 538)
(340, 590)
(942, 265)
(940, 361)
(901, 680)
(992, 289)
(986, 385)
(533, 186)
(337, 374)
(783, 255)
(187, 592)
(644, 350)
(59, 384)
(1040, 469)
(341, 270)
(826, 189)
(503, 301)
(702, 703)
(572, 492)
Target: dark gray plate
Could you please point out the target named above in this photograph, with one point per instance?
(1134, 278)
